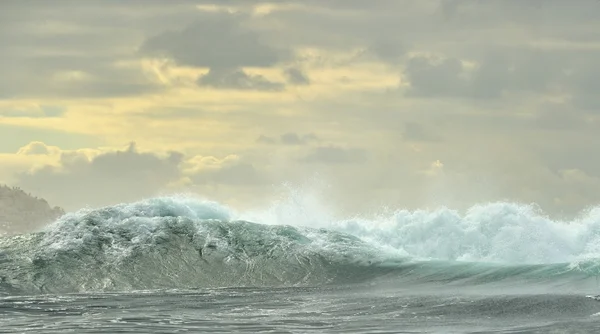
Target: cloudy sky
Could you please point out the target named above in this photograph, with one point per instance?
(400, 103)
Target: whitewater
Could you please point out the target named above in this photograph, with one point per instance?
(175, 264)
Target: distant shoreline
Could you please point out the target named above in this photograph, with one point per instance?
(22, 212)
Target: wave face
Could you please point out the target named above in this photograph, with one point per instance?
(176, 242)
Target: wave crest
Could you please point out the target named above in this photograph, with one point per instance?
(175, 242)
(166, 243)
(496, 232)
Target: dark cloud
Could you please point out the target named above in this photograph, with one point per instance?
(115, 176)
(496, 73)
(237, 79)
(27, 76)
(295, 76)
(43, 41)
(47, 52)
(524, 69)
(125, 175)
(428, 78)
(343, 28)
(47, 45)
(335, 155)
(389, 50)
(216, 40)
(292, 138)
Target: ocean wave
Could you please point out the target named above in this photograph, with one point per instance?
(175, 242)
(178, 242)
(507, 233)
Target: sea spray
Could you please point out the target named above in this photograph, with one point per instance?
(495, 232)
(500, 232)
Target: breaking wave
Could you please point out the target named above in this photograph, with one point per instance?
(178, 242)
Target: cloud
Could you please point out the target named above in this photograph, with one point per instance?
(335, 155)
(13, 137)
(292, 138)
(108, 177)
(487, 81)
(48, 51)
(95, 178)
(476, 14)
(37, 76)
(345, 25)
(561, 117)
(54, 64)
(215, 40)
(490, 76)
(231, 170)
(221, 42)
(296, 77)
(585, 83)
(428, 78)
(416, 132)
(38, 148)
(389, 50)
(289, 138)
(484, 55)
(266, 140)
(237, 79)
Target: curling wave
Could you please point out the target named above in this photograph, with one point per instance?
(174, 242)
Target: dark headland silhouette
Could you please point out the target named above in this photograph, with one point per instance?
(21, 212)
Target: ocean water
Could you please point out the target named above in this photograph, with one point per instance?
(179, 264)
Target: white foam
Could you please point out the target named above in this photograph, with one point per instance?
(495, 232)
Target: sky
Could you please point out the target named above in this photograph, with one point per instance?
(359, 105)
